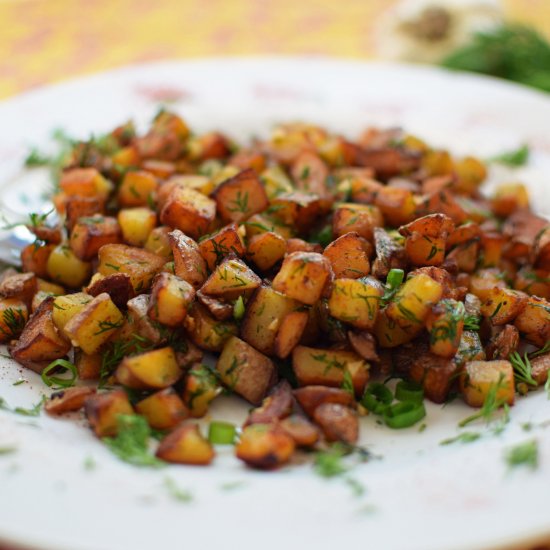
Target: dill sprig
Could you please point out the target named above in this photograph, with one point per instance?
(517, 157)
(471, 322)
(523, 454)
(522, 369)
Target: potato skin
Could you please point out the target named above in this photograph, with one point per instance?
(310, 397)
(189, 263)
(339, 423)
(276, 406)
(68, 400)
(186, 445)
(102, 411)
(89, 234)
(264, 446)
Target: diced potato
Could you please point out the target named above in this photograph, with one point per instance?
(503, 305)
(276, 406)
(151, 370)
(470, 173)
(310, 173)
(201, 387)
(354, 302)
(240, 197)
(492, 244)
(508, 198)
(86, 182)
(137, 188)
(94, 324)
(52, 288)
(13, 317)
(290, 333)
(170, 299)
(65, 268)
(339, 423)
(303, 276)
(188, 261)
(266, 249)
(264, 446)
(82, 207)
(483, 281)
(158, 242)
(445, 323)
(40, 343)
(88, 366)
(141, 265)
(503, 344)
(541, 250)
(348, 256)
(117, 285)
(480, 376)
(389, 334)
(207, 332)
(329, 367)
(311, 396)
(217, 247)
(540, 368)
(186, 445)
(66, 307)
(299, 245)
(34, 258)
(159, 168)
(411, 305)
(219, 309)
(231, 279)
(356, 218)
(245, 370)
(103, 409)
(21, 286)
(188, 210)
(396, 205)
(533, 281)
(276, 181)
(534, 321)
(297, 209)
(163, 409)
(136, 224)
(301, 430)
(90, 234)
(68, 400)
(434, 373)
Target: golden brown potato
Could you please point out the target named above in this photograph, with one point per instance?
(170, 299)
(201, 387)
(158, 242)
(348, 256)
(301, 430)
(88, 366)
(338, 423)
(311, 396)
(296, 210)
(34, 258)
(266, 249)
(541, 250)
(445, 323)
(137, 188)
(136, 224)
(503, 305)
(480, 376)
(186, 445)
(290, 333)
(189, 263)
(117, 285)
(276, 406)
(82, 207)
(66, 307)
(540, 367)
(163, 410)
(103, 409)
(436, 374)
(508, 198)
(68, 400)
(534, 321)
(245, 370)
(310, 173)
(85, 182)
(396, 205)
(206, 331)
(503, 344)
(364, 344)
(389, 254)
(264, 446)
(89, 234)
(231, 279)
(139, 322)
(215, 248)
(356, 218)
(389, 334)
(21, 286)
(66, 269)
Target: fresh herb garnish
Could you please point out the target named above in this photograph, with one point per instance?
(8, 450)
(393, 281)
(523, 454)
(181, 495)
(329, 463)
(522, 369)
(517, 157)
(491, 405)
(58, 381)
(471, 322)
(33, 411)
(238, 309)
(464, 437)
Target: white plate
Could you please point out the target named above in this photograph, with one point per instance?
(420, 495)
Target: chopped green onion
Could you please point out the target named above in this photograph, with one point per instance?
(57, 380)
(404, 414)
(409, 391)
(395, 277)
(238, 309)
(221, 433)
(377, 398)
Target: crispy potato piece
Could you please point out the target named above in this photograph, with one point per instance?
(492, 243)
(207, 332)
(508, 198)
(310, 173)
(303, 276)
(301, 430)
(364, 344)
(188, 210)
(348, 256)
(34, 258)
(38, 298)
(356, 218)
(68, 400)
(140, 322)
(503, 344)
(85, 182)
(170, 299)
(503, 305)
(117, 285)
(445, 202)
(534, 321)
(478, 378)
(445, 323)
(150, 370)
(40, 342)
(141, 265)
(201, 387)
(435, 373)
(215, 248)
(240, 197)
(540, 367)
(21, 286)
(266, 249)
(299, 245)
(65, 268)
(245, 370)
(470, 348)
(338, 423)
(389, 334)
(82, 207)
(136, 224)
(297, 209)
(66, 307)
(311, 396)
(13, 317)
(163, 409)
(137, 188)
(90, 234)
(355, 302)
(94, 324)
(397, 206)
(264, 446)
(540, 254)
(158, 242)
(533, 281)
(290, 333)
(186, 445)
(189, 263)
(222, 311)
(328, 367)
(88, 366)
(389, 254)
(276, 406)
(231, 279)
(103, 409)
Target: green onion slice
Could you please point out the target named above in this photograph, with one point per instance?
(238, 309)
(377, 398)
(404, 414)
(221, 433)
(58, 380)
(395, 278)
(409, 391)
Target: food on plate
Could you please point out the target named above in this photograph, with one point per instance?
(312, 266)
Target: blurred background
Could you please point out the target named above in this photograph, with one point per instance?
(45, 41)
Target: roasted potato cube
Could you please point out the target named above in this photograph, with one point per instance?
(94, 324)
(266, 249)
(139, 322)
(117, 285)
(329, 367)
(303, 276)
(217, 247)
(470, 348)
(13, 317)
(310, 173)
(245, 370)
(231, 279)
(264, 446)
(40, 343)
(492, 244)
(86, 182)
(88, 366)
(354, 302)
(508, 198)
(66, 307)
(21, 286)
(396, 205)
(434, 373)
(170, 299)
(389, 254)
(217, 308)
(186, 445)
(90, 234)
(470, 173)
(290, 333)
(483, 281)
(348, 256)
(389, 334)
(136, 225)
(188, 210)
(103, 409)
(188, 261)
(201, 387)
(534, 321)
(151, 370)
(310, 397)
(540, 368)
(296, 210)
(34, 258)
(503, 344)
(445, 323)
(66, 268)
(338, 423)
(533, 281)
(480, 376)
(364, 344)
(141, 265)
(411, 305)
(503, 305)
(158, 242)
(356, 218)
(541, 250)
(82, 207)
(276, 406)
(137, 188)
(68, 400)
(240, 197)
(301, 430)
(163, 409)
(207, 332)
